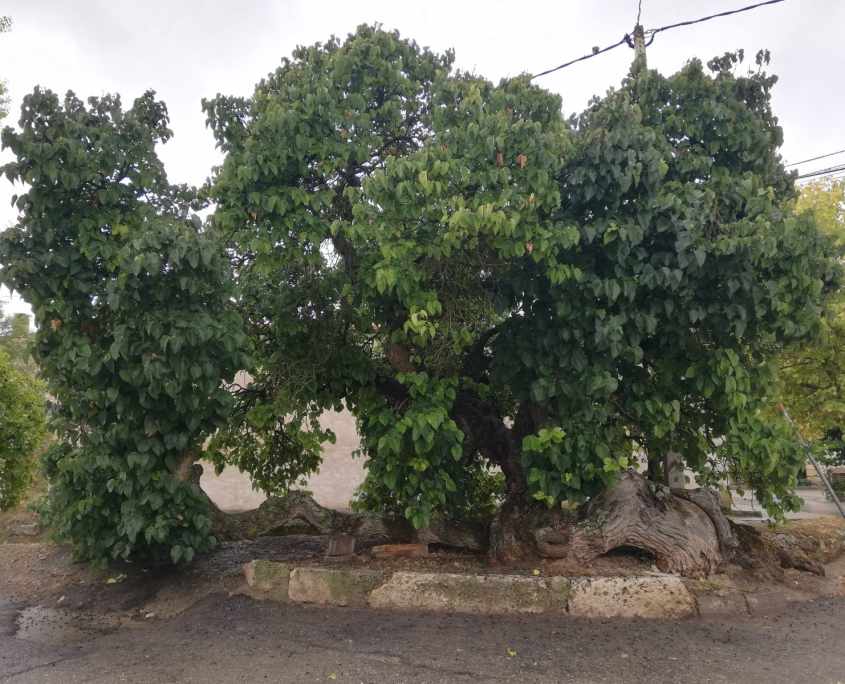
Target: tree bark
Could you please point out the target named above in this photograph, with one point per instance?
(485, 432)
(298, 513)
(679, 531)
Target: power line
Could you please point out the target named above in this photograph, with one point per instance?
(821, 156)
(839, 175)
(713, 16)
(652, 32)
(596, 51)
(823, 172)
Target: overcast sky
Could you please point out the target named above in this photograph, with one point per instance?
(190, 49)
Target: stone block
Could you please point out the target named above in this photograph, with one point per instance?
(487, 594)
(651, 596)
(268, 579)
(331, 586)
(721, 604)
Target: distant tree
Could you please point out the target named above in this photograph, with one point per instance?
(812, 374)
(16, 340)
(22, 430)
(5, 25)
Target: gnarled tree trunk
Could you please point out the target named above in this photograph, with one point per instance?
(685, 531)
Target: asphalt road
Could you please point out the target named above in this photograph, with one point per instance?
(236, 639)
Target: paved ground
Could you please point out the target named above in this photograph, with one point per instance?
(240, 640)
(816, 503)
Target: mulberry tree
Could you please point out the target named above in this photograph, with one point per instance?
(136, 331)
(488, 286)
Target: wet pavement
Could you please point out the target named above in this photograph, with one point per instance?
(237, 639)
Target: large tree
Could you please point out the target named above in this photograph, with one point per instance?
(486, 285)
(136, 331)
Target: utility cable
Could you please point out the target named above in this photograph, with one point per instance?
(821, 156)
(713, 16)
(823, 172)
(596, 51)
(652, 32)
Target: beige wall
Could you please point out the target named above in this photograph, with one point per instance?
(332, 486)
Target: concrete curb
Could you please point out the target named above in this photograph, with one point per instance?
(649, 596)
(485, 594)
(333, 586)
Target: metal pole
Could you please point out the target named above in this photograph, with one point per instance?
(812, 460)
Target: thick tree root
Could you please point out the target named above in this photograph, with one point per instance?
(686, 534)
(708, 501)
(685, 530)
(298, 513)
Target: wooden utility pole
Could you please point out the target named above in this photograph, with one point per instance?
(639, 49)
(673, 465)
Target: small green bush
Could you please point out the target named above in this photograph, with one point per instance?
(22, 431)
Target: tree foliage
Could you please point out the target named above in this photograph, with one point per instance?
(488, 285)
(22, 430)
(136, 331)
(16, 341)
(812, 374)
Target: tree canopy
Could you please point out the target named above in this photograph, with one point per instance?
(487, 286)
(136, 331)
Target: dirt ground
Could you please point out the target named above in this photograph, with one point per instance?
(38, 573)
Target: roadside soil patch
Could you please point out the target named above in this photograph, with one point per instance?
(45, 574)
